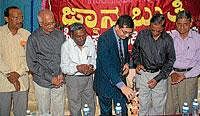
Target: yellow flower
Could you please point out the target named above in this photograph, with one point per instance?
(23, 42)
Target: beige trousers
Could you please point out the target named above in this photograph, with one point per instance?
(185, 91)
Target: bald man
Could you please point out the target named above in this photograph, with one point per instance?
(43, 59)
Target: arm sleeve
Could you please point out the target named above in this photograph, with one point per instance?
(195, 71)
(93, 54)
(105, 59)
(31, 58)
(53, 64)
(136, 57)
(169, 61)
(4, 68)
(66, 65)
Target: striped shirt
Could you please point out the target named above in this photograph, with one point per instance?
(187, 52)
(12, 58)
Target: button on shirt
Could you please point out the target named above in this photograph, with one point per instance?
(187, 52)
(72, 55)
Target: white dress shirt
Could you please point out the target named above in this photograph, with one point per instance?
(72, 55)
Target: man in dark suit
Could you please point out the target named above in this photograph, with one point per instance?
(112, 66)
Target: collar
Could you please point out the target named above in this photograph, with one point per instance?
(87, 43)
(7, 30)
(177, 35)
(159, 37)
(116, 36)
(42, 32)
(190, 34)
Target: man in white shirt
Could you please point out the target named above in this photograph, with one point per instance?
(78, 62)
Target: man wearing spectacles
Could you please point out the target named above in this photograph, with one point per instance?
(183, 84)
(43, 59)
(126, 33)
(154, 56)
(112, 66)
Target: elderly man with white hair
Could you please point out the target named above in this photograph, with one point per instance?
(43, 59)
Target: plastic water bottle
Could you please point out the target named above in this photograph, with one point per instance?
(86, 110)
(29, 113)
(185, 109)
(195, 108)
(118, 110)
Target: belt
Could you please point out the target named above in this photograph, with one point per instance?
(182, 70)
(152, 70)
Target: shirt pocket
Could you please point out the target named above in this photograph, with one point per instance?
(89, 57)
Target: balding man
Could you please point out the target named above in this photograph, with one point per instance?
(43, 59)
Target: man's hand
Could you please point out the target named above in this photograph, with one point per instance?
(57, 81)
(176, 78)
(17, 85)
(128, 92)
(61, 79)
(82, 68)
(125, 69)
(152, 83)
(90, 69)
(86, 69)
(13, 78)
(138, 68)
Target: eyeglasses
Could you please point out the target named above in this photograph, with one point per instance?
(127, 34)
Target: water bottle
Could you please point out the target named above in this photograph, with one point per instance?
(195, 108)
(185, 109)
(118, 110)
(86, 110)
(29, 113)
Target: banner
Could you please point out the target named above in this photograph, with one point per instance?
(99, 15)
